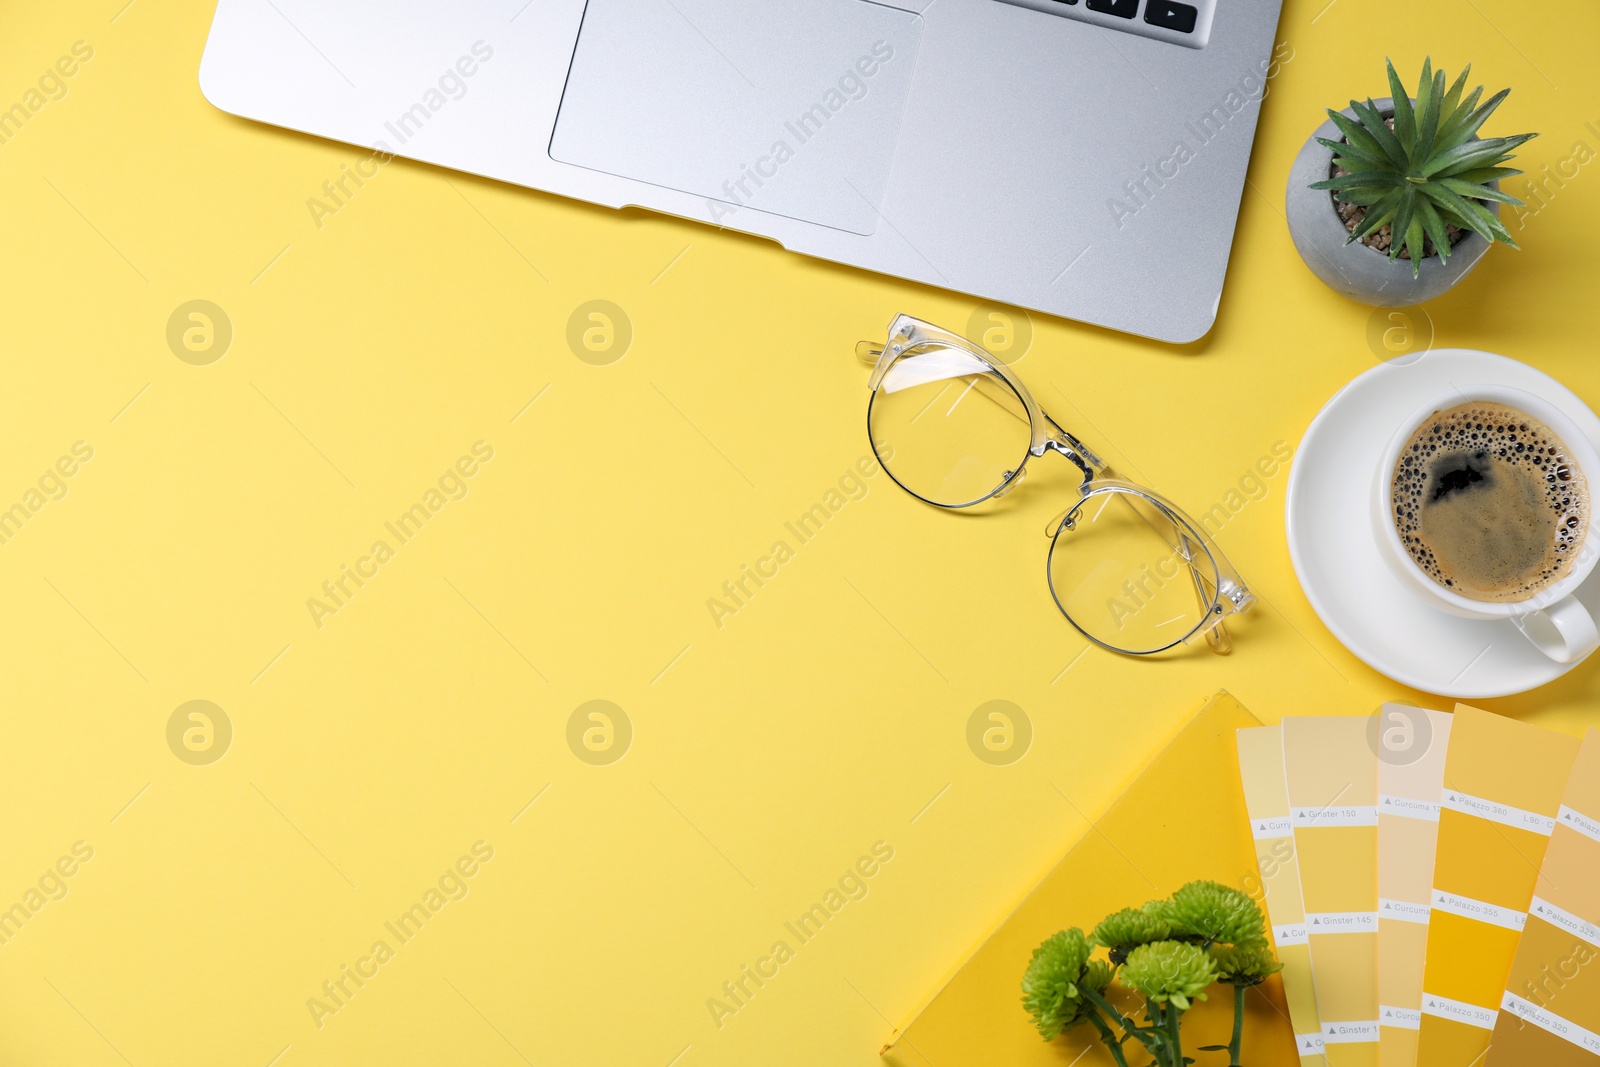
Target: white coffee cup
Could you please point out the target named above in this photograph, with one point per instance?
(1553, 619)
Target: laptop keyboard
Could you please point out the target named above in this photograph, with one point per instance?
(1183, 22)
(1171, 15)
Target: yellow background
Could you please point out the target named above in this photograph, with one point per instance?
(767, 755)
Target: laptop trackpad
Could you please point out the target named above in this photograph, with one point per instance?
(791, 108)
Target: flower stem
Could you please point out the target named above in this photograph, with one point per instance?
(1109, 1037)
(1105, 1006)
(1160, 1045)
(1238, 1026)
(1145, 1035)
(1172, 1029)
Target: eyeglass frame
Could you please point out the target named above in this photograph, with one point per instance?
(908, 333)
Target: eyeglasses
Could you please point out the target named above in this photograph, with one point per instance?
(954, 427)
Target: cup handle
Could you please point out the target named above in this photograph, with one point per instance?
(1565, 631)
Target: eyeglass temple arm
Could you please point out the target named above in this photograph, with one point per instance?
(1061, 440)
(869, 352)
(1217, 637)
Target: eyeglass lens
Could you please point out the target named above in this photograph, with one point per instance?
(1130, 576)
(947, 427)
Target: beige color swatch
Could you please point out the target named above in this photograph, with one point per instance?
(1330, 771)
(1266, 801)
(1411, 745)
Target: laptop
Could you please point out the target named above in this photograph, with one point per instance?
(1081, 158)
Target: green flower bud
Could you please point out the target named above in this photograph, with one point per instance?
(1208, 912)
(1052, 986)
(1096, 976)
(1244, 965)
(1170, 971)
(1129, 928)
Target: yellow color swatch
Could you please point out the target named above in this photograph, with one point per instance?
(1331, 774)
(1266, 800)
(1411, 745)
(1155, 837)
(1550, 1012)
(1503, 782)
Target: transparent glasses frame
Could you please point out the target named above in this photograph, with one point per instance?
(1218, 587)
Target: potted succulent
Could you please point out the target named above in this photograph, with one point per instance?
(1398, 179)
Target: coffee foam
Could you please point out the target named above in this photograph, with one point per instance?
(1489, 503)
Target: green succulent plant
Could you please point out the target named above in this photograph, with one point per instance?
(1427, 173)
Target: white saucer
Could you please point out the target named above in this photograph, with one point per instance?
(1330, 523)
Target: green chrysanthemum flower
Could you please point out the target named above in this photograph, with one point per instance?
(1170, 971)
(1052, 986)
(1159, 909)
(1129, 928)
(1244, 965)
(1209, 912)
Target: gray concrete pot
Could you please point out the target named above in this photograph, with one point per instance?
(1354, 270)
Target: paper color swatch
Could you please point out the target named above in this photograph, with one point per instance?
(1331, 774)
(1411, 745)
(1550, 1011)
(1266, 802)
(1502, 792)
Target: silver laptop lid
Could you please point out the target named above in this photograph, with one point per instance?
(1075, 160)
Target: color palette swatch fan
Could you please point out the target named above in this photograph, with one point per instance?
(1433, 884)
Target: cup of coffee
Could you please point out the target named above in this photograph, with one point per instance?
(1484, 511)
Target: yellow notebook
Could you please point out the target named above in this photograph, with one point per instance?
(1550, 1011)
(1266, 799)
(1411, 745)
(1183, 818)
(1332, 777)
(1503, 782)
